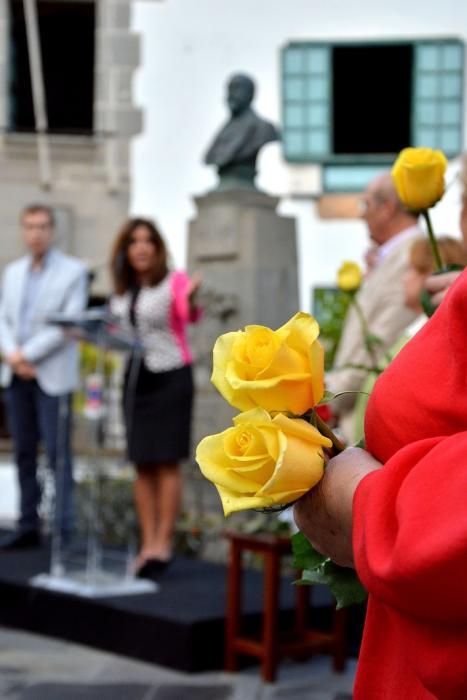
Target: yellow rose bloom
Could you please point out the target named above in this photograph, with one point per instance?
(280, 370)
(262, 461)
(349, 277)
(418, 175)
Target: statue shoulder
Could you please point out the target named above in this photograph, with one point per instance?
(228, 140)
(267, 129)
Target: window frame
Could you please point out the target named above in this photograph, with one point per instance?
(13, 133)
(370, 159)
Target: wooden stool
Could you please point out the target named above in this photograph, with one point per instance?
(271, 648)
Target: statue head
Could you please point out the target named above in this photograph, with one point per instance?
(235, 148)
(240, 93)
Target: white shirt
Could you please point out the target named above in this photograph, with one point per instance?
(385, 248)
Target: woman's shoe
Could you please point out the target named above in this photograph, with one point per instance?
(153, 568)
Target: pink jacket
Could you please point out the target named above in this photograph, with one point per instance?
(181, 314)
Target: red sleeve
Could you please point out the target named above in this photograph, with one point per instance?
(410, 530)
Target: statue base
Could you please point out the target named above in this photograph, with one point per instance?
(237, 177)
(247, 255)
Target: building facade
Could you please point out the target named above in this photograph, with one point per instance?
(77, 159)
(349, 84)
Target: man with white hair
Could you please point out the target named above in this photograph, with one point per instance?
(392, 229)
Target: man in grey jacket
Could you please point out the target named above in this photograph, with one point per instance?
(40, 367)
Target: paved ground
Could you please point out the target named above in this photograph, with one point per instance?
(39, 668)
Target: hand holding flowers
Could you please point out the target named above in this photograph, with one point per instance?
(274, 453)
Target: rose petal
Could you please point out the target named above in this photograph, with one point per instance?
(221, 356)
(302, 467)
(233, 502)
(216, 467)
(301, 429)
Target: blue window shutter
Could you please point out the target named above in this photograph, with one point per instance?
(306, 102)
(438, 95)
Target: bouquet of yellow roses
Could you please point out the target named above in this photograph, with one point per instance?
(275, 451)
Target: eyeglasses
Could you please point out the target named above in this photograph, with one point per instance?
(365, 202)
(362, 204)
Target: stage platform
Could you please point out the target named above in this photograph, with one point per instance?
(181, 626)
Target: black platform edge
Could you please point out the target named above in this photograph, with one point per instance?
(181, 626)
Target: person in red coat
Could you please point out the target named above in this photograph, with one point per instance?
(397, 512)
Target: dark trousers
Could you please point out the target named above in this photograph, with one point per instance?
(35, 417)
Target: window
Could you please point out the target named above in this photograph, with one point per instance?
(67, 44)
(371, 94)
(362, 103)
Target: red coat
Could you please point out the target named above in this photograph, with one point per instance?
(410, 518)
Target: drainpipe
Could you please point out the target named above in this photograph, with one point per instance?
(38, 92)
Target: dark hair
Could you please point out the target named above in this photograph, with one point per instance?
(123, 275)
(39, 208)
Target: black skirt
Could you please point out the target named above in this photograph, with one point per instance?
(157, 410)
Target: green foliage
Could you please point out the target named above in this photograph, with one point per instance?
(330, 306)
(343, 583)
(90, 357)
(305, 557)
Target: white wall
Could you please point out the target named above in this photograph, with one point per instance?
(190, 47)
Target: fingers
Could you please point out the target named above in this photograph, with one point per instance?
(436, 299)
(441, 283)
(25, 370)
(196, 280)
(195, 283)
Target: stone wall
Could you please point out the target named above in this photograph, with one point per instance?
(90, 175)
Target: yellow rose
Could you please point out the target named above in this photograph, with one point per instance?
(418, 175)
(349, 277)
(278, 370)
(262, 461)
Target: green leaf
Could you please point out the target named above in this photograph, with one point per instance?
(314, 576)
(327, 397)
(354, 393)
(344, 584)
(304, 556)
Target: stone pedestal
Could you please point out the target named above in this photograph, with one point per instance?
(247, 255)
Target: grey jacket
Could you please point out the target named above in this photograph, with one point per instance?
(64, 289)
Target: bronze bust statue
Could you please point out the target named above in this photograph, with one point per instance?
(236, 146)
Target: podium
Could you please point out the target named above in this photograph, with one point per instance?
(92, 570)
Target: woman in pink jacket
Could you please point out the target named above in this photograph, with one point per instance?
(157, 304)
